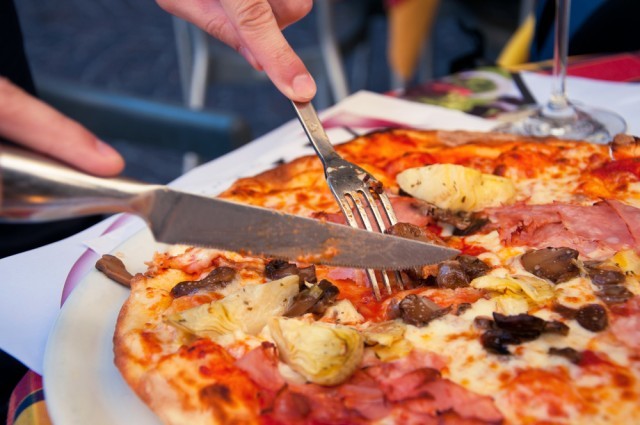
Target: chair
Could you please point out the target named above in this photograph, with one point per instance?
(341, 29)
(197, 136)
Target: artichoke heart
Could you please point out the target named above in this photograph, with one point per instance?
(322, 353)
(537, 290)
(628, 261)
(247, 309)
(457, 188)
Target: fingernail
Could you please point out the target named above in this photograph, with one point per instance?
(105, 149)
(304, 87)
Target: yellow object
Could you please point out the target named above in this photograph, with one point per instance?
(323, 353)
(457, 188)
(410, 23)
(516, 51)
(539, 291)
(246, 310)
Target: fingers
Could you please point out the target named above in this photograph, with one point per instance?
(253, 28)
(30, 122)
(258, 31)
(288, 12)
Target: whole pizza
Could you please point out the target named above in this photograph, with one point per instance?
(537, 321)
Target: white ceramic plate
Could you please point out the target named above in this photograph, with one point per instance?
(82, 385)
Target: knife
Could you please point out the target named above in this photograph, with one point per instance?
(34, 189)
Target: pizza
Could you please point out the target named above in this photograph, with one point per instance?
(536, 321)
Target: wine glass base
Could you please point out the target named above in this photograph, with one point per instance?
(591, 124)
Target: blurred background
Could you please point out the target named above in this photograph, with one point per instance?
(119, 52)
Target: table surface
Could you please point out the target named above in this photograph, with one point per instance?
(463, 92)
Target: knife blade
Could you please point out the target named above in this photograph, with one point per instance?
(34, 188)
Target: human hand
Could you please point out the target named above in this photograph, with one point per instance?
(254, 29)
(31, 123)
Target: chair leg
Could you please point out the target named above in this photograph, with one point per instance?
(183, 50)
(330, 50)
(199, 70)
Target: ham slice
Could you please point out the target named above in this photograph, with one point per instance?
(403, 207)
(630, 215)
(604, 227)
(626, 324)
(409, 388)
(261, 364)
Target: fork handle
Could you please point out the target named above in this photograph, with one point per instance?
(315, 132)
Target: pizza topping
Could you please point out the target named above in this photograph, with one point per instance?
(114, 269)
(601, 275)
(457, 188)
(574, 356)
(555, 264)
(247, 310)
(277, 269)
(214, 281)
(314, 299)
(458, 273)
(537, 290)
(416, 310)
(464, 222)
(342, 312)
(261, 364)
(473, 266)
(626, 323)
(324, 354)
(592, 317)
(411, 231)
(451, 275)
(508, 330)
(614, 294)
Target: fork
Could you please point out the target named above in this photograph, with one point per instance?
(352, 186)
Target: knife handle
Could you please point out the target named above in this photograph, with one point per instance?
(34, 188)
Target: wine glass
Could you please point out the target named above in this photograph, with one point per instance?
(559, 117)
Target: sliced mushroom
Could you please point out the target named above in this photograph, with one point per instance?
(217, 279)
(314, 299)
(473, 266)
(465, 223)
(451, 275)
(114, 269)
(514, 329)
(411, 231)
(571, 354)
(419, 311)
(604, 275)
(614, 294)
(524, 326)
(555, 264)
(495, 340)
(277, 269)
(592, 317)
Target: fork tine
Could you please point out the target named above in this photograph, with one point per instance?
(362, 212)
(391, 217)
(371, 274)
(386, 204)
(348, 183)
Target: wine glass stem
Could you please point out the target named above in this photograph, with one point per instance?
(558, 105)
